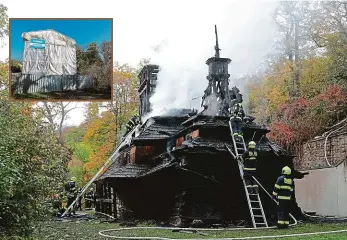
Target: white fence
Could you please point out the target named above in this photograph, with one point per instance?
(324, 191)
(30, 83)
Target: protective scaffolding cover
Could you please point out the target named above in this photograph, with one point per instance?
(48, 52)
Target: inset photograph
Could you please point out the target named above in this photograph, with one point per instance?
(61, 59)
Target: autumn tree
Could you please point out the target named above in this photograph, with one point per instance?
(95, 140)
(91, 111)
(290, 17)
(314, 34)
(92, 143)
(81, 151)
(125, 95)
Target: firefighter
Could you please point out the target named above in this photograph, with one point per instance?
(94, 199)
(283, 193)
(71, 189)
(250, 166)
(131, 124)
(238, 107)
(236, 121)
(89, 198)
(58, 204)
(79, 206)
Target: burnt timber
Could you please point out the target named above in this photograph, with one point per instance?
(177, 169)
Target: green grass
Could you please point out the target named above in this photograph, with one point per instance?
(89, 230)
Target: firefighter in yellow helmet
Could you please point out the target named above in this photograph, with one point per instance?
(283, 193)
(250, 166)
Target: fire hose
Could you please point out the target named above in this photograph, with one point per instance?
(326, 141)
(103, 232)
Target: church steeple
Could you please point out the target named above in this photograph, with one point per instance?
(216, 47)
(217, 94)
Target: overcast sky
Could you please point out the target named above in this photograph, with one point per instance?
(185, 29)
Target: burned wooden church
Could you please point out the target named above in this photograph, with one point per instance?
(176, 168)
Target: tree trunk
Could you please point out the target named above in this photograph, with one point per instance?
(296, 56)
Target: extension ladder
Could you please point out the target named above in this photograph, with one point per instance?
(253, 199)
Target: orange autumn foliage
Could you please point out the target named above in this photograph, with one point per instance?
(101, 136)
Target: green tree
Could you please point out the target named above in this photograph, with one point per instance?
(78, 172)
(81, 59)
(33, 168)
(92, 55)
(75, 135)
(83, 151)
(3, 22)
(315, 76)
(16, 66)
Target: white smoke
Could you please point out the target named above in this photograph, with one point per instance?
(246, 33)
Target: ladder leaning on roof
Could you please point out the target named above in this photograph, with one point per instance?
(253, 199)
(115, 154)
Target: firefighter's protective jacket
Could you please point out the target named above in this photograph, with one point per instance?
(250, 160)
(71, 190)
(283, 188)
(239, 114)
(131, 123)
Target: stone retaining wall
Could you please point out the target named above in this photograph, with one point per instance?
(312, 154)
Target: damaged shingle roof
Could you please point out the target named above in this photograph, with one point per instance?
(215, 144)
(219, 145)
(141, 170)
(161, 127)
(126, 171)
(158, 168)
(206, 119)
(134, 170)
(164, 127)
(158, 131)
(217, 121)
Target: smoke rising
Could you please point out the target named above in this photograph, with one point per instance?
(246, 34)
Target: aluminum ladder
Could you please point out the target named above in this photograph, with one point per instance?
(253, 199)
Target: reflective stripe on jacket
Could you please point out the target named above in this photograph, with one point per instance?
(283, 188)
(250, 160)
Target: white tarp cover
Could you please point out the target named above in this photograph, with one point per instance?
(49, 52)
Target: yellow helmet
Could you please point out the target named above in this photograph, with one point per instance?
(252, 144)
(74, 179)
(286, 171)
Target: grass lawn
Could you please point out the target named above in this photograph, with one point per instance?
(56, 230)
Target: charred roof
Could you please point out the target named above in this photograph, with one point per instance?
(160, 127)
(126, 171)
